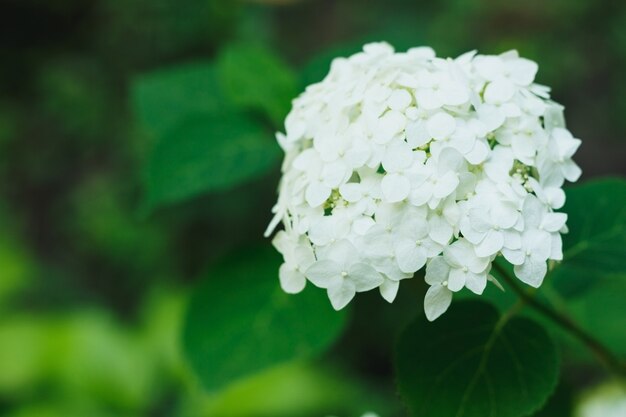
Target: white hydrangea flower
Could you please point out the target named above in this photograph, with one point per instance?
(399, 162)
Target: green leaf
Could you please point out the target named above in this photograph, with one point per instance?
(595, 247)
(473, 363)
(164, 98)
(560, 403)
(253, 77)
(240, 322)
(208, 153)
(600, 312)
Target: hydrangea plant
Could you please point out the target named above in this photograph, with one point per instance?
(400, 161)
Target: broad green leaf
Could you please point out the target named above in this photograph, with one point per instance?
(473, 363)
(164, 98)
(240, 322)
(601, 313)
(208, 153)
(560, 404)
(253, 77)
(595, 247)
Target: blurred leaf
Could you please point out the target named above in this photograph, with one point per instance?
(77, 95)
(601, 312)
(164, 98)
(595, 247)
(96, 358)
(163, 314)
(472, 363)
(17, 270)
(108, 230)
(62, 409)
(294, 389)
(23, 355)
(208, 153)
(240, 322)
(254, 77)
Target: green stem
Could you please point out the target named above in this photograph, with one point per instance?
(610, 361)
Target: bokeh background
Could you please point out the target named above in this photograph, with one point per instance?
(93, 285)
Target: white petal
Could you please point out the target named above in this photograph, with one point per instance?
(531, 272)
(491, 116)
(303, 255)
(351, 192)
(428, 99)
(571, 171)
(399, 100)
(491, 244)
(421, 194)
(395, 187)
(335, 174)
(437, 301)
(343, 252)
(533, 211)
(440, 230)
(489, 67)
(398, 156)
(456, 280)
(523, 148)
(454, 94)
(364, 277)
(437, 271)
(515, 257)
(512, 239)
(316, 194)
(553, 222)
(479, 153)
(446, 185)
(499, 91)
(476, 283)
(538, 242)
(441, 125)
(341, 295)
(389, 125)
(324, 273)
(389, 289)
(504, 215)
(409, 256)
(458, 253)
(417, 134)
(556, 247)
(523, 71)
(291, 280)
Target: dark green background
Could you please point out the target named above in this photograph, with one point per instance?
(93, 281)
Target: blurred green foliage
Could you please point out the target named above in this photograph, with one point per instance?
(113, 117)
(246, 308)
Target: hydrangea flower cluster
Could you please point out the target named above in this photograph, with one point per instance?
(400, 161)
